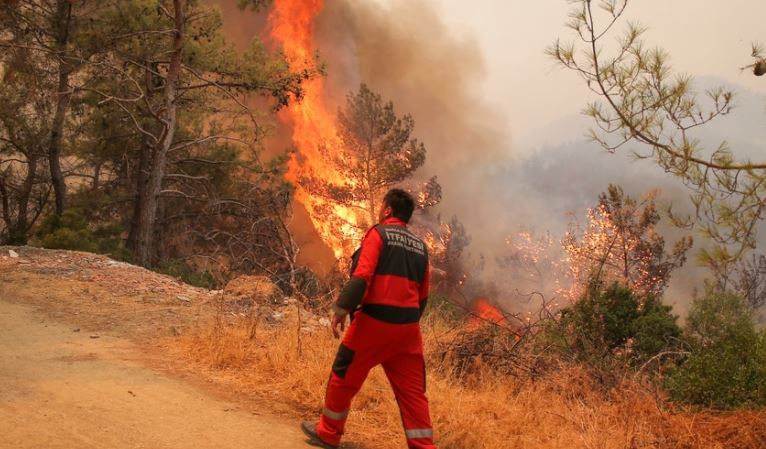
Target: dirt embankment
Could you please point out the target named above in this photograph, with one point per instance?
(78, 367)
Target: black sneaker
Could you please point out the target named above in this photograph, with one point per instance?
(310, 429)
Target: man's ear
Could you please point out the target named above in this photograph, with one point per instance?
(388, 212)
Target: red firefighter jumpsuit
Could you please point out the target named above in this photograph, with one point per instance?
(390, 278)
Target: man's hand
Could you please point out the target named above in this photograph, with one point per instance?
(338, 321)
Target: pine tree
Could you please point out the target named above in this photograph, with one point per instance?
(375, 151)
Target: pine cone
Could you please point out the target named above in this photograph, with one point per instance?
(759, 68)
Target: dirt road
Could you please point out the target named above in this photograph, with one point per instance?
(64, 388)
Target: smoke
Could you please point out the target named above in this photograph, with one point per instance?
(241, 26)
(554, 185)
(403, 51)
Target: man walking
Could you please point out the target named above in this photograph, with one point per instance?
(389, 280)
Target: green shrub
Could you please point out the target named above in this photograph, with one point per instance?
(611, 321)
(179, 269)
(68, 231)
(71, 239)
(71, 231)
(726, 367)
(655, 329)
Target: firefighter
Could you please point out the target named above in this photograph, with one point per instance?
(385, 295)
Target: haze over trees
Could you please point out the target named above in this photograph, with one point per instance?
(643, 101)
(717, 360)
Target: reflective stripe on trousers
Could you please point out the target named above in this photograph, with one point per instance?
(334, 415)
(419, 433)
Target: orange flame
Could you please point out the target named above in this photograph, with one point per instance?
(483, 313)
(292, 25)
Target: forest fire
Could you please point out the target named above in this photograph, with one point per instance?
(483, 313)
(292, 25)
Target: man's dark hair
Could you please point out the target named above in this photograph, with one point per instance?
(401, 203)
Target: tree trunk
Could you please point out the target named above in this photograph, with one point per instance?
(371, 206)
(142, 177)
(96, 176)
(144, 161)
(6, 205)
(148, 215)
(18, 229)
(63, 20)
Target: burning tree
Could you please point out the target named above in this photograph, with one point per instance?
(621, 244)
(375, 152)
(341, 164)
(535, 263)
(446, 243)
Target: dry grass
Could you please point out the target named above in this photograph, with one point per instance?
(564, 409)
